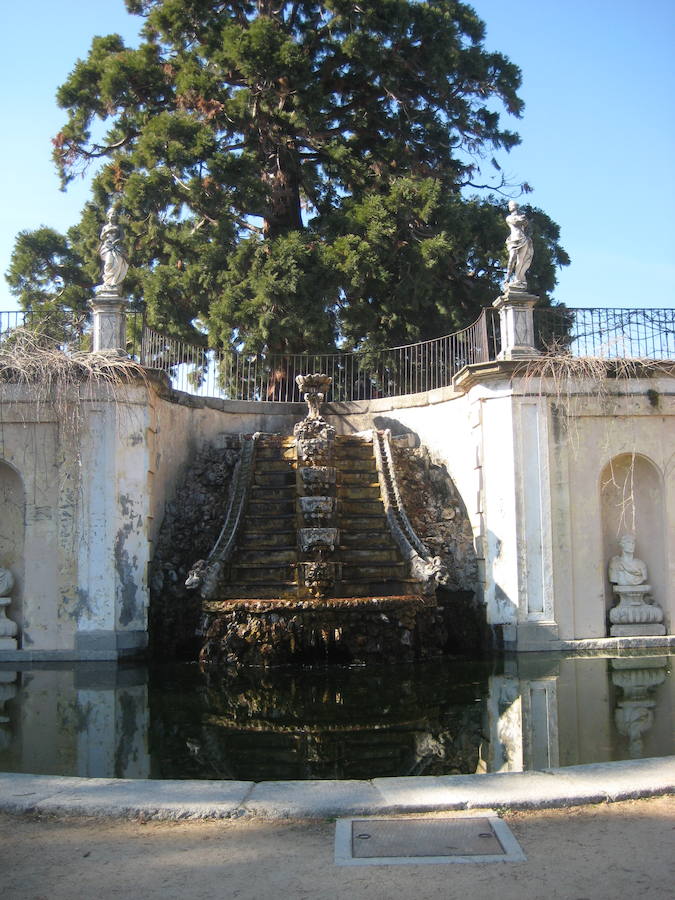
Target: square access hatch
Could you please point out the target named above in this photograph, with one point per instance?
(413, 840)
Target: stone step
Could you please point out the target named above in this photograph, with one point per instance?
(275, 452)
(373, 572)
(273, 540)
(269, 524)
(360, 508)
(261, 574)
(365, 539)
(350, 476)
(369, 524)
(277, 591)
(268, 466)
(261, 507)
(393, 588)
(266, 557)
(264, 492)
(349, 492)
(371, 555)
(361, 453)
(274, 479)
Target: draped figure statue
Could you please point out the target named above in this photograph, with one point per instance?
(520, 247)
(113, 255)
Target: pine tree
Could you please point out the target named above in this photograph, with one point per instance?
(292, 175)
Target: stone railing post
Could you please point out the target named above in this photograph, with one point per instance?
(516, 323)
(110, 332)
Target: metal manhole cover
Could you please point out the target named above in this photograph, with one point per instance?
(413, 840)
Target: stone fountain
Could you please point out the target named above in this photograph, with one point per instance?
(316, 558)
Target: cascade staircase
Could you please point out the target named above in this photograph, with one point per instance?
(264, 562)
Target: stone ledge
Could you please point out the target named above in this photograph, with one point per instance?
(542, 789)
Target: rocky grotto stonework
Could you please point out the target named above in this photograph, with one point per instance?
(191, 525)
(398, 629)
(437, 514)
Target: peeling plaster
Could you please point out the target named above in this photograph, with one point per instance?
(76, 610)
(126, 569)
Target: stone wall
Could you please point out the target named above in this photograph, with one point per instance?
(528, 460)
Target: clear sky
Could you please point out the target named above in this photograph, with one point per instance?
(598, 132)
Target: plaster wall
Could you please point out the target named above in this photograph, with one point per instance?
(81, 588)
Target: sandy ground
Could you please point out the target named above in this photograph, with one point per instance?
(618, 850)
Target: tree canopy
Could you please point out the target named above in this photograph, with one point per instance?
(292, 175)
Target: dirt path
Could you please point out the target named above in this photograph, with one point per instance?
(613, 851)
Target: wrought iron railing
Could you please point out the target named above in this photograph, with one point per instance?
(359, 375)
(409, 369)
(67, 329)
(606, 333)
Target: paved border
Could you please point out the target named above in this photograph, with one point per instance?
(129, 798)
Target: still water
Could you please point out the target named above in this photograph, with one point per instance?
(443, 717)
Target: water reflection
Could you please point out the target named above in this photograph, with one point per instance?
(449, 717)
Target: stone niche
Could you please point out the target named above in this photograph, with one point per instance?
(632, 492)
(11, 553)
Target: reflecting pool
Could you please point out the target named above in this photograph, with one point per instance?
(444, 717)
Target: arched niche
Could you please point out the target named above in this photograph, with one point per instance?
(12, 520)
(631, 489)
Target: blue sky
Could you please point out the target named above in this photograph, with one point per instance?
(598, 132)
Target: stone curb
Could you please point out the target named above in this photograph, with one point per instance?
(129, 798)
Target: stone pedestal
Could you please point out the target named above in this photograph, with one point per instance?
(8, 629)
(516, 323)
(109, 321)
(633, 616)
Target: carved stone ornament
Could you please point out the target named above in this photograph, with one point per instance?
(317, 511)
(430, 572)
(323, 540)
(314, 387)
(319, 577)
(318, 480)
(314, 436)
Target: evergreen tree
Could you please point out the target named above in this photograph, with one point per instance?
(292, 174)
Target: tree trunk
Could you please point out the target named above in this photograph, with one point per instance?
(284, 212)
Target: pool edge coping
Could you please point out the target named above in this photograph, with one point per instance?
(287, 800)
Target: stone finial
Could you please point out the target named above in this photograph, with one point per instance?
(520, 247)
(314, 388)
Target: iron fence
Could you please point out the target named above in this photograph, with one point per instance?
(360, 375)
(606, 333)
(68, 329)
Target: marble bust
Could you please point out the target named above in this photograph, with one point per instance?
(6, 582)
(626, 569)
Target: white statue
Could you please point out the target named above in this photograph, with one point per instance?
(636, 613)
(626, 569)
(8, 629)
(520, 247)
(112, 253)
(6, 583)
